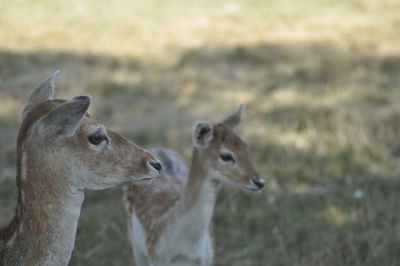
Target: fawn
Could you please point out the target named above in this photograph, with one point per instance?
(169, 223)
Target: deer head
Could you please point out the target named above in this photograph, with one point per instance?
(225, 154)
(62, 135)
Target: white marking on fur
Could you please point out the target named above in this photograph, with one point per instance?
(23, 166)
(126, 201)
(11, 241)
(88, 179)
(189, 232)
(226, 151)
(140, 252)
(21, 228)
(22, 196)
(216, 175)
(92, 129)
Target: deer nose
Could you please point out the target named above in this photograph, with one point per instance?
(259, 182)
(156, 165)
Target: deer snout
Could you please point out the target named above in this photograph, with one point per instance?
(258, 182)
(156, 165)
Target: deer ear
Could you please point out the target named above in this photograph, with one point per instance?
(202, 135)
(233, 119)
(65, 119)
(44, 92)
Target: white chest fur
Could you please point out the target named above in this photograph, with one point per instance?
(186, 239)
(138, 239)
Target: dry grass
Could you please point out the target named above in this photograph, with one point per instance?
(321, 81)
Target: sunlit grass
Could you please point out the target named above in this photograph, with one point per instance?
(337, 216)
(157, 28)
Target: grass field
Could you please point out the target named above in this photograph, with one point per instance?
(321, 80)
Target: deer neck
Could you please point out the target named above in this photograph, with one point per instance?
(199, 195)
(44, 227)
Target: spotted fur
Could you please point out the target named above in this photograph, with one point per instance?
(170, 222)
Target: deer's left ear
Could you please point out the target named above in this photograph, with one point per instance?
(234, 118)
(44, 92)
(202, 135)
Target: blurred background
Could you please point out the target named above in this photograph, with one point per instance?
(321, 80)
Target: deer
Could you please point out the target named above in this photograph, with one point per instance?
(61, 152)
(169, 222)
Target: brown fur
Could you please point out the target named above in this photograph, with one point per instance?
(154, 204)
(46, 181)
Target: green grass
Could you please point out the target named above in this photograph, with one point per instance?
(321, 80)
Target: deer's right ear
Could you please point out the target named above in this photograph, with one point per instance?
(44, 92)
(202, 135)
(65, 119)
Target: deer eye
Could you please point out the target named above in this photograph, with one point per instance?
(226, 157)
(97, 138)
